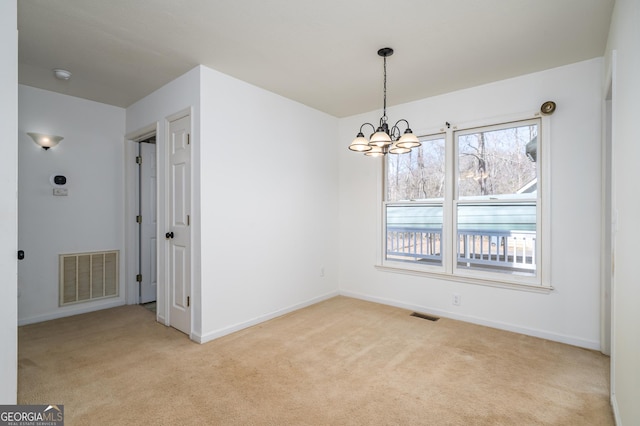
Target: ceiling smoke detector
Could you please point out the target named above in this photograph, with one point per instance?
(61, 74)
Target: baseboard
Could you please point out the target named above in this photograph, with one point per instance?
(212, 335)
(616, 410)
(70, 311)
(556, 337)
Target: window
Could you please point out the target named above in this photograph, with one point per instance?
(467, 204)
(414, 208)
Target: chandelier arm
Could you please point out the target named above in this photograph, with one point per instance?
(364, 124)
(398, 122)
(395, 132)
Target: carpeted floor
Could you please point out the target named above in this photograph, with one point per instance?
(150, 306)
(339, 362)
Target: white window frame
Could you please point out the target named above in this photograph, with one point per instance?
(541, 282)
(445, 237)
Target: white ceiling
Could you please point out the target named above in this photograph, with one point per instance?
(321, 53)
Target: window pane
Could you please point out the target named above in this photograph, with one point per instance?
(414, 233)
(417, 175)
(497, 236)
(497, 162)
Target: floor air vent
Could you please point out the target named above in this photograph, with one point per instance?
(425, 316)
(88, 276)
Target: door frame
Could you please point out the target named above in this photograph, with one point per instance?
(609, 226)
(161, 129)
(132, 243)
(608, 230)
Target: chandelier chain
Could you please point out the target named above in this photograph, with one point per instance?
(384, 111)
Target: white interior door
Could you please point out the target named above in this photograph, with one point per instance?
(149, 225)
(179, 233)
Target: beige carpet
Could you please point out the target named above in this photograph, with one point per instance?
(340, 362)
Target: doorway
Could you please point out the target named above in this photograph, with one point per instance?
(147, 221)
(158, 194)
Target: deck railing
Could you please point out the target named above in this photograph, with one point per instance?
(414, 244)
(505, 250)
(499, 250)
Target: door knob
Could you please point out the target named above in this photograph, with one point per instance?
(168, 235)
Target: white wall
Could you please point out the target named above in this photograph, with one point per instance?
(181, 94)
(624, 39)
(269, 205)
(89, 218)
(570, 312)
(9, 203)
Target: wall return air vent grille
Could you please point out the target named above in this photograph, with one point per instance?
(88, 276)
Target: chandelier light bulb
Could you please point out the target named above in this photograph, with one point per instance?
(408, 140)
(397, 149)
(360, 144)
(380, 138)
(376, 151)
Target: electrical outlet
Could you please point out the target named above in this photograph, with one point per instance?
(456, 299)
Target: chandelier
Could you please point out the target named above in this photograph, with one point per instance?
(384, 139)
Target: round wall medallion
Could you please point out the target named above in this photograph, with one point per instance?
(548, 107)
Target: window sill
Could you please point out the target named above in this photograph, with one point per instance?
(467, 280)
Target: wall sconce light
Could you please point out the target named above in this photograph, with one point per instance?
(45, 141)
